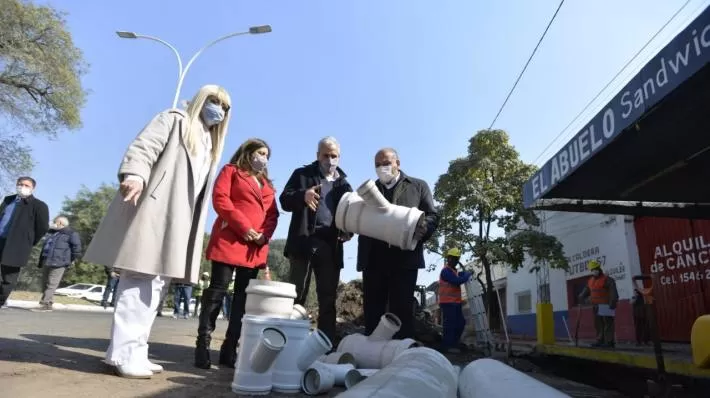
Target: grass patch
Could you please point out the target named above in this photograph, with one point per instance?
(35, 296)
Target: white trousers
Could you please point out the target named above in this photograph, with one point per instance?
(138, 296)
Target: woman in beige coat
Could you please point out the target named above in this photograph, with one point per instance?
(153, 229)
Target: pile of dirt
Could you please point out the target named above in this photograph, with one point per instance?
(349, 303)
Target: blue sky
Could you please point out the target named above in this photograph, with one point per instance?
(420, 76)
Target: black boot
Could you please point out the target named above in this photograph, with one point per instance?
(211, 305)
(228, 353)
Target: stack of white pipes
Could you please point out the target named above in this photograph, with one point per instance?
(357, 358)
(278, 351)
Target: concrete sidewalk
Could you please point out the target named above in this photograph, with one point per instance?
(29, 305)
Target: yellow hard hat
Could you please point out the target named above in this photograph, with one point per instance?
(453, 252)
(593, 264)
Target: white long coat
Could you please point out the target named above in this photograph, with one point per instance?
(163, 234)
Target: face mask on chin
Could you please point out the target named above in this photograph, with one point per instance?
(385, 174)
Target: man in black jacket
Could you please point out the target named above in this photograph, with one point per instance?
(24, 220)
(389, 274)
(314, 243)
(61, 249)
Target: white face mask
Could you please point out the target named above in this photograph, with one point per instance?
(384, 174)
(596, 272)
(23, 191)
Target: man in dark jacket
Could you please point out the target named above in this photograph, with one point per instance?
(61, 249)
(389, 274)
(24, 220)
(314, 243)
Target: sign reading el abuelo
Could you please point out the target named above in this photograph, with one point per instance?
(676, 62)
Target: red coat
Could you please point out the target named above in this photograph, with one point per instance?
(240, 204)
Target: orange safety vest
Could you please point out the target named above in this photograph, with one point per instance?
(597, 290)
(449, 293)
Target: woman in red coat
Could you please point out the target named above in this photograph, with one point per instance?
(243, 198)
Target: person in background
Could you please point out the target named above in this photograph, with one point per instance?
(227, 301)
(601, 292)
(61, 249)
(183, 294)
(112, 278)
(24, 220)
(389, 274)
(450, 301)
(244, 200)
(161, 304)
(641, 325)
(197, 290)
(154, 228)
(314, 244)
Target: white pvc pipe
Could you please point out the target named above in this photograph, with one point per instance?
(488, 378)
(357, 376)
(338, 358)
(317, 380)
(270, 298)
(298, 312)
(340, 372)
(418, 372)
(373, 354)
(270, 345)
(392, 224)
(314, 346)
(387, 327)
(286, 374)
(253, 345)
(372, 196)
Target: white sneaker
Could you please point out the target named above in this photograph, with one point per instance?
(154, 367)
(133, 372)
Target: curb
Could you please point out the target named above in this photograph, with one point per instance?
(28, 305)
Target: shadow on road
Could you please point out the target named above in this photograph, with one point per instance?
(59, 351)
(23, 351)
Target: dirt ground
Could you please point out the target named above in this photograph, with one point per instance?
(59, 354)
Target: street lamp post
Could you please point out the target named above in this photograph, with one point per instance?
(254, 30)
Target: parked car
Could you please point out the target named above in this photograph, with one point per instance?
(82, 290)
(95, 294)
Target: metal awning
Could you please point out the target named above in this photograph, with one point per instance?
(647, 152)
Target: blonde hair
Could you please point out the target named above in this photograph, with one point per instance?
(218, 131)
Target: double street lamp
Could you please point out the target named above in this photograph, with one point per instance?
(254, 30)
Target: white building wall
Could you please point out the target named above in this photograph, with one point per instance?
(584, 236)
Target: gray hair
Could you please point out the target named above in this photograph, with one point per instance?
(388, 150)
(62, 220)
(328, 141)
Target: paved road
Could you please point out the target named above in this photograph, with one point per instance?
(59, 354)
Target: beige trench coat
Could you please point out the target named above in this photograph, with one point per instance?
(163, 233)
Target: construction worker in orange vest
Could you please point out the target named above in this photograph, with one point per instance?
(450, 301)
(601, 291)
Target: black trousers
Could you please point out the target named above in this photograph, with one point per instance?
(220, 278)
(8, 277)
(320, 263)
(388, 288)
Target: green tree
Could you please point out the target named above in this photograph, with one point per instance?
(279, 268)
(40, 81)
(85, 212)
(483, 190)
